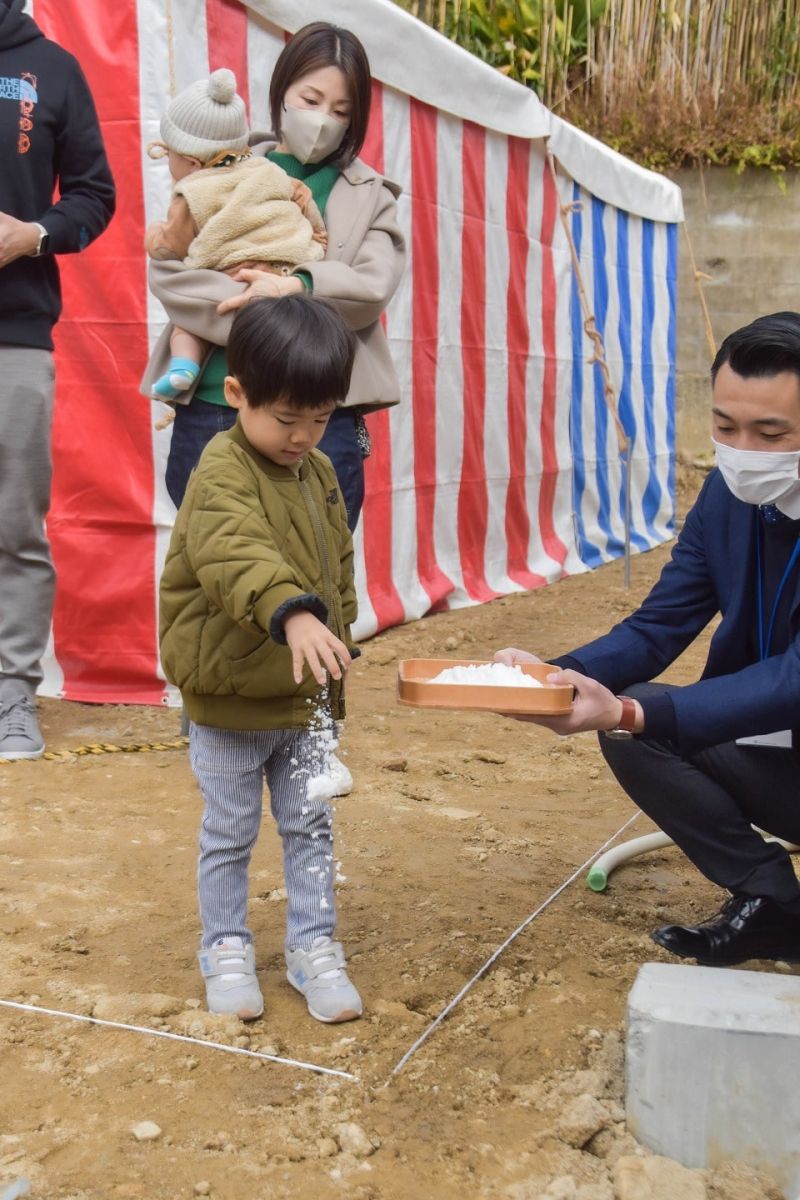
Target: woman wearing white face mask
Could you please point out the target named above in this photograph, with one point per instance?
(319, 106)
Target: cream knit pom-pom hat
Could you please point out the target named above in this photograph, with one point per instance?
(206, 118)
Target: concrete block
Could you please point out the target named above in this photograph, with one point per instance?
(713, 1063)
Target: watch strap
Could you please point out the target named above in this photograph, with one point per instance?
(627, 720)
(44, 237)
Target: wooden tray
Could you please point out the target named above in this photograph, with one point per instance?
(414, 688)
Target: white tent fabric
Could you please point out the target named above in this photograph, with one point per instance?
(414, 59)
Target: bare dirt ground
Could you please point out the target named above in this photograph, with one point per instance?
(458, 828)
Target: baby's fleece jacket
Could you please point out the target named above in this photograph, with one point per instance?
(221, 217)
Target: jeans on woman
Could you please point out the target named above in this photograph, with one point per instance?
(197, 422)
(195, 425)
(341, 445)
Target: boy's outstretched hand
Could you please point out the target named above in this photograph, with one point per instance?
(312, 642)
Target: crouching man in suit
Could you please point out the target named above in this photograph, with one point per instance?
(710, 760)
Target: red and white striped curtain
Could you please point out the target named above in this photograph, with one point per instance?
(473, 489)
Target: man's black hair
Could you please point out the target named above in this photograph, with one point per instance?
(765, 347)
(295, 349)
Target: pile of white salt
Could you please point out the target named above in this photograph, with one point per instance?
(487, 675)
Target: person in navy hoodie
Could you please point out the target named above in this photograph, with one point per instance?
(49, 136)
(710, 760)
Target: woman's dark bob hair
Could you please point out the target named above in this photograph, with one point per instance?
(322, 45)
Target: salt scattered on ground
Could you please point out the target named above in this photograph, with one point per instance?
(487, 674)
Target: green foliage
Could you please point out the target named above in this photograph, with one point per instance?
(536, 42)
(666, 82)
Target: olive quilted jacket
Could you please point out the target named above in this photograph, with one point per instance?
(252, 542)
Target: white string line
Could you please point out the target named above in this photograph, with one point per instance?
(493, 958)
(180, 1037)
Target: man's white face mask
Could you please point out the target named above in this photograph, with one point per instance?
(311, 135)
(762, 476)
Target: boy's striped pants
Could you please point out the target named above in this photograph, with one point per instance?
(230, 767)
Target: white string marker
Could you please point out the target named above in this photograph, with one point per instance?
(493, 958)
(179, 1037)
(304, 1066)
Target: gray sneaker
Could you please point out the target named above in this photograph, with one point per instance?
(20, 736)
(320, 974)
(229, 969)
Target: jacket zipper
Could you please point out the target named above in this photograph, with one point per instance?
(322, 547)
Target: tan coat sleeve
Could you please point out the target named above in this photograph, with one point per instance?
(361, 289)
(191, 298)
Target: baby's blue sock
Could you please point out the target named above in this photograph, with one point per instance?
(181, 375)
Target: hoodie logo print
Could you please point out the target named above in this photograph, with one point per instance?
(23, 90)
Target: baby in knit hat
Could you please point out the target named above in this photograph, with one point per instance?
(228, 209)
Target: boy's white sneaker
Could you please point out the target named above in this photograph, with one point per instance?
(321, 975)
(229, 970)
(340, 774)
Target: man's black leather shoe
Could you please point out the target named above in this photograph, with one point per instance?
(746, 927)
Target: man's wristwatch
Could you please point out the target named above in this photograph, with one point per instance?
(625, 727)
(42, 244)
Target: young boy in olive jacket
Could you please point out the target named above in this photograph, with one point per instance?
(257, 586)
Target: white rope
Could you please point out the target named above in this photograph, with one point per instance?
(173, 87)
(179, 1037)
(304, 1066)
(494, 957)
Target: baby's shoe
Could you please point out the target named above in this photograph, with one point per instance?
(321, 975)
(229, 969)
(339, 773)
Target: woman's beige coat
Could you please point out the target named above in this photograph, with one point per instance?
(359, 275)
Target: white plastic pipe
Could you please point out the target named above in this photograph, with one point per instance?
(597, 879)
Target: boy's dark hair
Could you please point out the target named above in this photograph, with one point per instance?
(295, 349)
(765, 347)
(323, 45)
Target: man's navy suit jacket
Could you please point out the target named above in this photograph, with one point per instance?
(712, 571)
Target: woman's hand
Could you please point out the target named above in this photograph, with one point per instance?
(312, 642)
(261, 283)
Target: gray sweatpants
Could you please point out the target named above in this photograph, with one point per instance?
(230, 767)
(27, 579)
